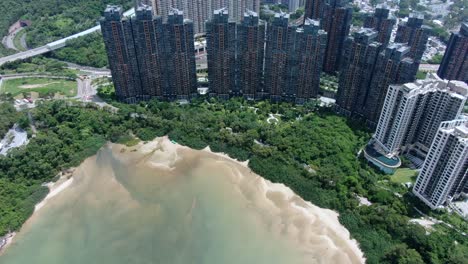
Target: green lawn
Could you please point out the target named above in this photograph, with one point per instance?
(404, 175)
(42, 86)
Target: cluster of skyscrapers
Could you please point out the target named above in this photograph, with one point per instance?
(417, 120)
(149, 58)
(371, 63)
(152, 56)
(424, 121)
(200, 11)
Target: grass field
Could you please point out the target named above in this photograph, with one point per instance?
(404, 175)
(42, 86)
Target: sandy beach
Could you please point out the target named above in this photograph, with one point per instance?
(273, 208)
(54, 189)
(320, 229)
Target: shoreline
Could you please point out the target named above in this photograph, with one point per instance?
(163, 153)
(307, 208)
(65, 180)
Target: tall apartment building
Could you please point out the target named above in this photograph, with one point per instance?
(196, 10)
(314, 9)
(221, 51)
(237, 8)
(251, 41)
(337, 15)
(180, 56)
(454, 65)
(415, 34)
(382, 22)
(200, 11)
(393, 66)
(360, 56)
(444, 174)
(120, 46)
(149, 45)
(276, 56)
(305, 61)
(412, 113)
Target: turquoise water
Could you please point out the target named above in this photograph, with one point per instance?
(126, 212)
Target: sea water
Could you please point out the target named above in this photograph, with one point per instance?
(204, 210)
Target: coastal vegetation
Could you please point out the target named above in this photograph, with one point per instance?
(309, 149)
(8, 116)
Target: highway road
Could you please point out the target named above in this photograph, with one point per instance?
(54, 45)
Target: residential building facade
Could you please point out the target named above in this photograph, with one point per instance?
(180, 56)
(251, 41)
(337, 16)
(305, 62)
(221, 50)
(415, 34)
(454, 65)
(444, 175)
(120, 47)
(412, 113)
(382, 22)
(149, 45)
(314, 9)
(393, 66)
(360, 56)
(276, 56)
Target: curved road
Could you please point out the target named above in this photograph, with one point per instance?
(54, 45)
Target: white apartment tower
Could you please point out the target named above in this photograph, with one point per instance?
(412, 113)
(444, 174)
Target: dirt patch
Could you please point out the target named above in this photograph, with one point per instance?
(32, 86)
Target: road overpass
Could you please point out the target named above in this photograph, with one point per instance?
(54, 45)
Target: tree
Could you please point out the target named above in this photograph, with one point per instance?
(400, 254)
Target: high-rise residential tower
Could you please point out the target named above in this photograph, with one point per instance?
(444, 174)
(305, 61)
(392, 67)
(360, 56)
(251, 41)
(221, 51)
(200, 11)
(382, 22)
(337, 15)
(120, 46)
(180, 56)
(454, 65)
(413, 112)
(415, 34)
(149, 45)
(314, 9)
(276, 56)
(237, 8)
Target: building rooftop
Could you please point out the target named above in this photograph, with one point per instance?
(249, 13)
(312, 22)
(434, 83)
(175, 11)
(221, 11)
